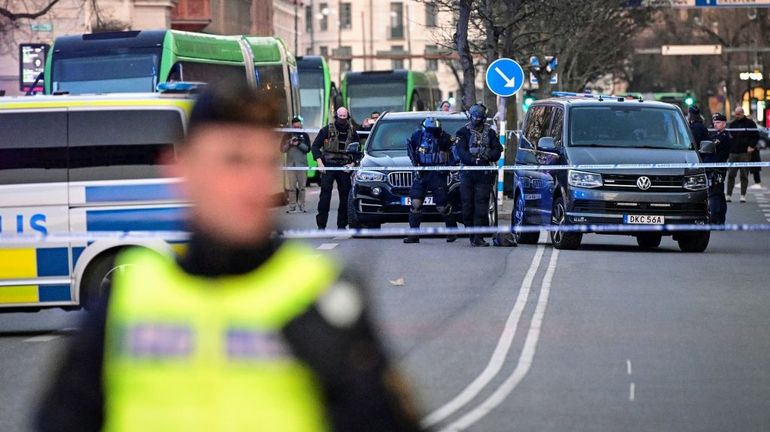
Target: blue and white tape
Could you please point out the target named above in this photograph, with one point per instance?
(603, 167)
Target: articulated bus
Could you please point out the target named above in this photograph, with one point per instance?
(392, 90)
(137, 61)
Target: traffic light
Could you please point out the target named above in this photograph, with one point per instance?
(689, 100)
(527, 102)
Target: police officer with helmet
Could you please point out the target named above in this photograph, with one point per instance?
(430, 146)
(330, 149)
(477, 144)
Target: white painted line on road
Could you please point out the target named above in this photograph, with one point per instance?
(41, 338)
(628, 366)
(343, 237)
(525, 360)
(498, 355)
(327, 246)
(632, 392)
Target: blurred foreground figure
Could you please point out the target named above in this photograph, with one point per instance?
(243, 333)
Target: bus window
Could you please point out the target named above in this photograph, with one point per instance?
(364, 98)
(311, 91)
(33, 148)
(211, 73)
(270, 80)
(117, 145)
(136, 71)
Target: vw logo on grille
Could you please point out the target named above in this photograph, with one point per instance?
(643, 183)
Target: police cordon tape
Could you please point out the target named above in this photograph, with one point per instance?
(538, 167)
(308, 234)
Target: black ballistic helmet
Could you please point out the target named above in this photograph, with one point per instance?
(432, 125)
(477, 113)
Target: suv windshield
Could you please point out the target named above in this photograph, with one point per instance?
(391, 135)
(639, 127)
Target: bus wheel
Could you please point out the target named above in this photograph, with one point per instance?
(96, 279)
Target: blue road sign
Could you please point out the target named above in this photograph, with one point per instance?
(504, 77)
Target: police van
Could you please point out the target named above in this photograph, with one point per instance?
(72, 167)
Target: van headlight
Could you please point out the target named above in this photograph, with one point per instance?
(370, 176)
(695, 182)
(584, 179)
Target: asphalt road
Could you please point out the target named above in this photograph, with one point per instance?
(529, 339)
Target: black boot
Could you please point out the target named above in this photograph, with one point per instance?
(479, 242)
(412, 239)
(451, 238)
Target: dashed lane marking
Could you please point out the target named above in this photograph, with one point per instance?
(327, 246)
(628, 367)
(41, 338)
(632, 392)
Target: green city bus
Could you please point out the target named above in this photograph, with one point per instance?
(392, 90)
(137, 61)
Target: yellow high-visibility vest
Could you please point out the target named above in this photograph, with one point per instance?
(189, 353)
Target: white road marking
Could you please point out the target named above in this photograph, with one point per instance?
(41, 338)
(632, 392)
(628, 366)
(498, 355)
(525, 360)
(327, 246)
(342, 237)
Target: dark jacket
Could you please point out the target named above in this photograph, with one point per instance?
(487, 157)
(413, 144)
(359, 395)
(296, 155)
(323, 135)
(699, 132)
(724, 142)
(744, 139)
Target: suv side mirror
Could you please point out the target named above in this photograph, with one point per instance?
(546, 144)
(707, 147)
(354, 147)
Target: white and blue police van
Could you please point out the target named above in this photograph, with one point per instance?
(72, 167)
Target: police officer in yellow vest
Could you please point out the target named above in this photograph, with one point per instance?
(242, 333)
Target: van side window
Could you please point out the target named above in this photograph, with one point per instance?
(118, 145)
(33, 147)
(538, 123)
(557, 124)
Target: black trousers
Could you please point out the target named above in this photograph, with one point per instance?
(475, 189)
(328, 179)
(716, 197)
(436, 182)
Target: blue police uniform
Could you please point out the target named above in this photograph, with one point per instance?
(430, 146)
(477, 145)
(716, 192)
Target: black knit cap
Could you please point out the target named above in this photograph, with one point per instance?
(694, 110)
(234, 104)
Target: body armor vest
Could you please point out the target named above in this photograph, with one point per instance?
(478, 139)
(429, 153)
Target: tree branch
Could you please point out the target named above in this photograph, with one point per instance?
(27, 15)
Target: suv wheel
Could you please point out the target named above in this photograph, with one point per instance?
(693, 241)
(648, 240)
(353, 222)
(561, 239)
(517, 220)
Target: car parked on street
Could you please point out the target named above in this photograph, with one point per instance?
(579, 130)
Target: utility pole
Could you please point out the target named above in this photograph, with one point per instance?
(296, 28)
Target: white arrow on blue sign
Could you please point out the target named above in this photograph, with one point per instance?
(504, 77)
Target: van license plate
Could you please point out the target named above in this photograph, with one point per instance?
(408, 201)
(644, 219)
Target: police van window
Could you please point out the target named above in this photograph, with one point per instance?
(538, 123)
(557, 124)
(33, 147)
(117, 145)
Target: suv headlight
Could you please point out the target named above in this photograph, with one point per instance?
(584, 179)
(370, 176)
(695, 182)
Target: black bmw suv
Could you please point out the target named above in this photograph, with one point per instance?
(599, 131)
(380, 196)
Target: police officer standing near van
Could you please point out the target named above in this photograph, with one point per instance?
(330, 149)
(477, 145)
(430, 146)
(716, 193)
(231, 336)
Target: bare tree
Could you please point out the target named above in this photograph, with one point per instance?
(15, 16)
(463, 48)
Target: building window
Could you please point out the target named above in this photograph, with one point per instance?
(324, 51)
(344, 54)
(346, 16)
(397, 63)
(324, 16)
(396, 20)
(431, 14)
(309, 19)
(431, 64)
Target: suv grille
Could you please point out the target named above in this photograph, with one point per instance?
(400, 179)
(627, 182)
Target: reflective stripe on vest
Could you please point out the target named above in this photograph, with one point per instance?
(187, 353)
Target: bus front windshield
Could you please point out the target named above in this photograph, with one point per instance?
(311, 92)
(365, 98)
(107, 72)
